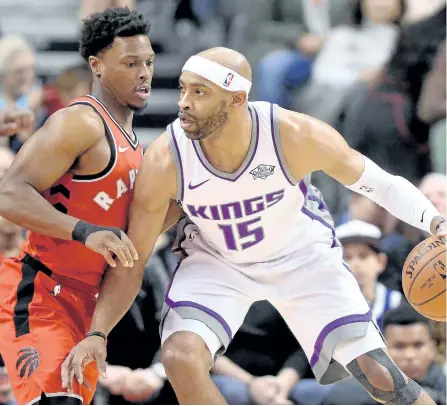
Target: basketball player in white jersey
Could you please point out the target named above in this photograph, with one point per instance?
(255, 228)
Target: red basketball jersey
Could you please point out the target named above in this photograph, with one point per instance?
(101, 199)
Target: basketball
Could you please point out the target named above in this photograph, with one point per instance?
(423, 278)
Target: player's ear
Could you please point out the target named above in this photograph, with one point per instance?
(239, 98)
(95, 65)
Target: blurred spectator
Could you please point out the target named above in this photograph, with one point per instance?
(70, 84)
(439, 334)
(432, 109)
(418, 10)
(412, 347)
(300, 30)
(13, 120)
(351, 53)
(434, 187)
(96, 6)
(11, 235)
(351, 58)
(382, 123)
(363, 254)
(264, 364)
(6, 396)
(18, 81)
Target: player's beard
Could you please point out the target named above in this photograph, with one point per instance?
(207, 126)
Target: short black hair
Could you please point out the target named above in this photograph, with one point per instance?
(404, 315)
(100, 29)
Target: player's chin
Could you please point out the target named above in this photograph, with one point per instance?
(190, 130)
(137, 106)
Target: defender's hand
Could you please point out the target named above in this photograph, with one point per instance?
(107, 242)
(90, 349)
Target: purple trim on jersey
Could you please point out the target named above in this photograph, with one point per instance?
(342, 321)
(180, 162)
(277, 148)
(313, 216)
(230, 176)
(303, 188)
(183, 303)
(321, 204)
(347, 267)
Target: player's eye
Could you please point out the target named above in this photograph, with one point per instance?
(200, 92)
(150, 62)
(131, 64)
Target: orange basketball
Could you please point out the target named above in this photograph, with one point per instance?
(423, 278)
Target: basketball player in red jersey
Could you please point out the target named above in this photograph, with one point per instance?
(71, 186)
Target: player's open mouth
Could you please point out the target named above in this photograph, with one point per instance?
(143, 92)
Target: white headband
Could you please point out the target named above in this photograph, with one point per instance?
(224, 77)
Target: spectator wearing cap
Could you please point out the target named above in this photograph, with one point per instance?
(413, 349)
(363, 255)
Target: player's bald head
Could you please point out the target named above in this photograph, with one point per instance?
(230, 59)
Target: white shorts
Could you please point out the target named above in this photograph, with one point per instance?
(319, 299)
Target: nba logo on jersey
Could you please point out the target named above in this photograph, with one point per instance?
(228, 80)
(262, 171)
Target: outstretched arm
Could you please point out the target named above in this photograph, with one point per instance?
(155, 186)
(320, 147)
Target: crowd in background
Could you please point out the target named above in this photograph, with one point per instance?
(373, 69)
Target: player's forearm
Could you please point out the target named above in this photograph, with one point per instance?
(224, 366)
(118, 291)
(23, 205)
(398, 196)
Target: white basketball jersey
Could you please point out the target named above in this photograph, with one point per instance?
(258, 213)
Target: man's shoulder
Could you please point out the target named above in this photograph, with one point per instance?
(81, 119)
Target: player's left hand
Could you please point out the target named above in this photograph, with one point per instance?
(90, 349)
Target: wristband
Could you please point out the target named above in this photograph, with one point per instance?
(97, 333)
(82, 230)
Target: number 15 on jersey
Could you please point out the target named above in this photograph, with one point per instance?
(243, 235)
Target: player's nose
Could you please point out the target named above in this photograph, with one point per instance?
(183, 102)
(146, 73)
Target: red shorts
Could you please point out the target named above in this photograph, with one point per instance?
(41, 319)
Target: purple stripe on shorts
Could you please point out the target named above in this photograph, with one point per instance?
(204, 309)
(179, 160)
(172, 304)
(342, 321)
(275, 144)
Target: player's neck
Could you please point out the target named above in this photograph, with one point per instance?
(123, 115)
